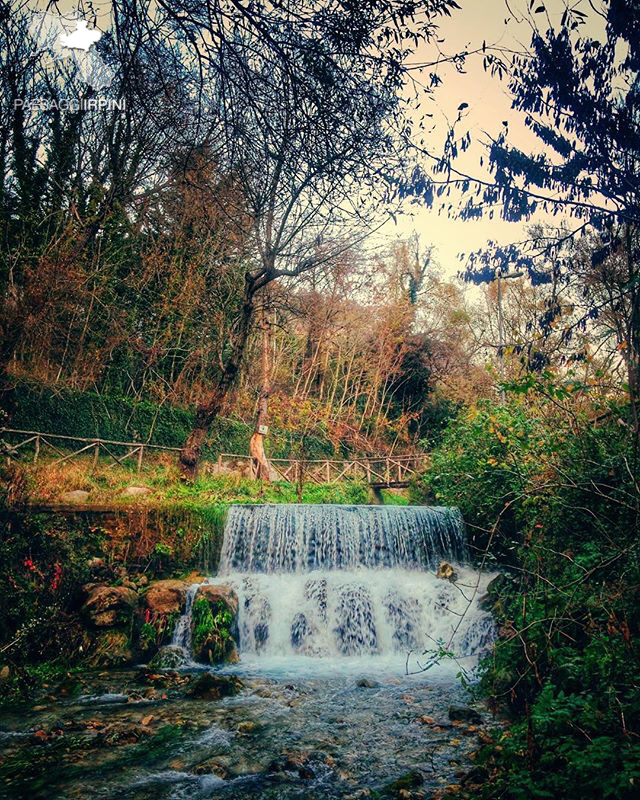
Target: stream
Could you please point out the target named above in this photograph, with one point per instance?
(288, 733)
(336, 605)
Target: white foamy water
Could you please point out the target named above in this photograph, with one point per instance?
(352, 586)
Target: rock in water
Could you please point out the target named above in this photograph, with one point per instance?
(170, 656)
(464, 714)
(212, 687)
(446, 571)
(403, 785)
(367, 683)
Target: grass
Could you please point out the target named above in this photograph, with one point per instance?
(106, 484)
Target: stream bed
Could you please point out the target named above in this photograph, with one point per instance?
(285, 729)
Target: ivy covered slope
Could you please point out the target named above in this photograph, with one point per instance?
(553, 499)
(39, 407)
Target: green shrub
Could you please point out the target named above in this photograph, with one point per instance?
(211, 629)
(556, 501)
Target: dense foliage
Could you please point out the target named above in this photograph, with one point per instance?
(556, 499)
(68, 412)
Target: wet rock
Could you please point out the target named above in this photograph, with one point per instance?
(136, 491)
(220, 596)
(490, 600)
(403, 785)
(247, 726)
(170, 656)
(212, 767)
(216, 643)
(75, 496)
(110, 649)
(447, 572)
(475, 777)
(109, 606)
(292, 763)
(5, 673)
(165, 597)
(495, 586)
(367, 683)
(306, 773)
(464, 714)
(212, 687)
(243, 767)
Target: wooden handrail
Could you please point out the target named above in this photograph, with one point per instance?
(91, 440)
(377, 469)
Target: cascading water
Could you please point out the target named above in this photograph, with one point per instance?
(182, 631)
(336, 581)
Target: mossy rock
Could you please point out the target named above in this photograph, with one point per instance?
(170, 656)
(210, 686)
(109, 606)
(110, 649)
(409, 781)
(214, 625)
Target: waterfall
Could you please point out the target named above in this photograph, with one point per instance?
(182, 631)
(332, 581)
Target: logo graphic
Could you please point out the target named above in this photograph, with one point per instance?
(82, 38)
(67, 36)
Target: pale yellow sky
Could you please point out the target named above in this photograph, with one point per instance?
(489, 104)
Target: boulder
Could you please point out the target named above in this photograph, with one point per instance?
(217, 642)
(110, 649)
(170, 656)
(165, 597)
(220, 596)
(109, 606)
(212, 687)
(464, 714)
(136, 491)
(75, 496)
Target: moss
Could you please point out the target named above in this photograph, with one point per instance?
(211, 630)
(111, 648)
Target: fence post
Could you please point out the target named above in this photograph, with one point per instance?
(140, 452)
(96, 453)
(37, 450)
(388, 470)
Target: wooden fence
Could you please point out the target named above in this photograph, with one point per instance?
(377, 471)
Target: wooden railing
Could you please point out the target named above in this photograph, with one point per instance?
(377, 471)
(44, 441)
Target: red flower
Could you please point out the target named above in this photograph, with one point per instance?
(57, 576)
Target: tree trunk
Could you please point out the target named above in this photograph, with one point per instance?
(209, 408)
(261, 467)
